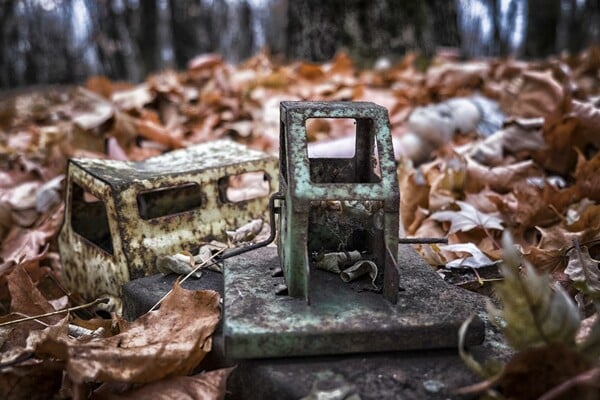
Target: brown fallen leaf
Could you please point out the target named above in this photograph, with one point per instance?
(587, 177)
(157, 133)
(26, 301)
(535, 94)
(518, 136)
(546, 260)
(583, 271)
(534, 203)
(24, 244)
(588, 123)
(412, 181)
(586, 214)
(456, 79)
(37, 380)
(500, 179)
(531, 373)
(204, 386)
(446, 176)
(168, 342)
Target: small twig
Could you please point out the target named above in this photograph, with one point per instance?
(586, 243)
(492, 238)
(559, 215)
(64, 310)
(479, 280)
(587, 378)
(36, 320)
(187, 276)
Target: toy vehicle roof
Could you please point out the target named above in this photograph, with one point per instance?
(192, 160)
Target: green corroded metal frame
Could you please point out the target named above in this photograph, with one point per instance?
(92, 272)
(306, 181)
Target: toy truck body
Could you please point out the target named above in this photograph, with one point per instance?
(119, 216)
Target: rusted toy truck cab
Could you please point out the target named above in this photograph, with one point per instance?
(120, 216)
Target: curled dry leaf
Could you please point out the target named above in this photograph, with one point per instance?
(412, 181)
(246, 232)
(587, 177)
(583, 271)
(517, 136)
(359, 269)
(501, 179)
(179, 263)
(24, 244)
(334, 262)
(167, 342)
(535, 94)
(134, 98)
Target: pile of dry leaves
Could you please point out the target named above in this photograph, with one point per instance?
(536, 177)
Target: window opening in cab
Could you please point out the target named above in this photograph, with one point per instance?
(244, 186)
(342, 150)
(89, 218)
(163, 202)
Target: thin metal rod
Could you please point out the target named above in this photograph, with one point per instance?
(423, 240)
(272, 234)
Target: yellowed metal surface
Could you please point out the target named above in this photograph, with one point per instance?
(94, 267)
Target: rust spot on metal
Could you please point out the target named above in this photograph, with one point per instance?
(337, 204)
(120, 216)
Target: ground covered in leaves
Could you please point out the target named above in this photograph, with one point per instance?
(535, 175)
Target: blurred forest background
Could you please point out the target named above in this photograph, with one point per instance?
(61, 41)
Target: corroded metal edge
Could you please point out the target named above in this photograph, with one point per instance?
(340, 320)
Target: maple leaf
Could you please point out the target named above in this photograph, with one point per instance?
(468, 218)
(583, 271)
